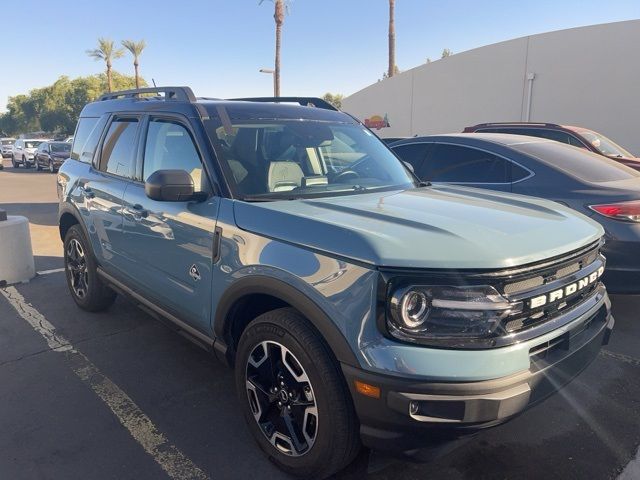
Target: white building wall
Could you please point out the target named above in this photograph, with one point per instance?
(588, 76)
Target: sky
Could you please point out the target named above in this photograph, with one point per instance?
(218, 46)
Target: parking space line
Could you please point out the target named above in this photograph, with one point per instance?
(622, 357)
(632, 470)
(171, 460)
(49, 272)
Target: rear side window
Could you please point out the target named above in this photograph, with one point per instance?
(118, 148)
(458, 164)
(414, 154)
(586, 166)
(86, 138)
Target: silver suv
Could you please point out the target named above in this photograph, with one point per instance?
(24, 150)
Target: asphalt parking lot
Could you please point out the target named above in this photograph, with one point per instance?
(120, 395)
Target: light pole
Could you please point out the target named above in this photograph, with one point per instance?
(273, 73)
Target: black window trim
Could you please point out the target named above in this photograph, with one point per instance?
(436, 142)
(97, 156)
(183, 121)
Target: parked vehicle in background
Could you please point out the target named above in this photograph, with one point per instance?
(595, 186)
(357, 305)
(391, 140)
(6, 146)
(576, 136)
(24, 150)
(51, 155)
(69, 139)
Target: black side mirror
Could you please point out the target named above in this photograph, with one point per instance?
(169, 186)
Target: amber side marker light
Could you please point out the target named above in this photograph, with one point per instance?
(367, 390)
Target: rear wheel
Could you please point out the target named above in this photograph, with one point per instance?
(294, 397)
(85, 286)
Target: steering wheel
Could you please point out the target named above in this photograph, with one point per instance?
(346, 174)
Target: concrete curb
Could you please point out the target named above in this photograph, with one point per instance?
(16, 255)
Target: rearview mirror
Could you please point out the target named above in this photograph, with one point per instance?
(409, 166)
(169, 186)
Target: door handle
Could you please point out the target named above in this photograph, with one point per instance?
(137, 211)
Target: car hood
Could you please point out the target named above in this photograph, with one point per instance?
(61, 155)
(433, 227)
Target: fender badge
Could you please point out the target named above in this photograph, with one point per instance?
(194, 272)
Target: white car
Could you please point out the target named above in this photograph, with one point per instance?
(6, 146)
(24, 150)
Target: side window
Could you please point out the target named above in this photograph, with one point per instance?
(457, 164)
(169, 146)
(556, 135)
(86, 138)
(118, 147)
(414, 154)
(42, 147)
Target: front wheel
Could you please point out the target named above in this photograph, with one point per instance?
(38, 168)
(52, 169)
(14, 164)
(294, 397)
(25, 162)
(81, 269)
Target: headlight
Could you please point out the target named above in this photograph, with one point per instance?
(443, 315)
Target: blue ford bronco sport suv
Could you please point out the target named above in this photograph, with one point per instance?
(357, 305)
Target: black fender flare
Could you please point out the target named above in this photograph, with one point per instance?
(70, 209)
(261, 284)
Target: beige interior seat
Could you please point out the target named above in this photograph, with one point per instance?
(284, 176)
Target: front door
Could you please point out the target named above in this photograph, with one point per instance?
(170, 244)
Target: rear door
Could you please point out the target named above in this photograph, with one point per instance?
(104, 186)
(170, 244)
(464, 165)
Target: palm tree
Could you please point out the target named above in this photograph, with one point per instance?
(281, 10)
(106, 52)
(135, 48)
(392, 39)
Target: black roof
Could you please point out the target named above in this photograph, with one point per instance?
(181, 100)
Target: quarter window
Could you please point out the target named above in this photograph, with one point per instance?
(169, 146)
(118, 147)
(86, 138)
(458, 164)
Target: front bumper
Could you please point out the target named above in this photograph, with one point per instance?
(411, 414)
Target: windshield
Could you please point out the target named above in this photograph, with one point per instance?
(32, 143)
(8, 142)
(290, 159)
(60, 147)
(604, 145)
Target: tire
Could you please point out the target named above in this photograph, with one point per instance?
(330, 441)
(38, 168)
(13, 161)
(51, 167)
(80, 266)
(25, 163)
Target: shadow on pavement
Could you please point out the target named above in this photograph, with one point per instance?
(45, 214)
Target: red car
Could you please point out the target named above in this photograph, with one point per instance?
(576, 136)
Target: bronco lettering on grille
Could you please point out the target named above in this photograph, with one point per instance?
(567, 290)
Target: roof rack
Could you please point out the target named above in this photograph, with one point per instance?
(184, 94)
(304, 101)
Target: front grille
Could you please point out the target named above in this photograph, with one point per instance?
(538, 284)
